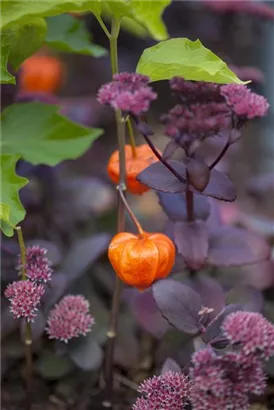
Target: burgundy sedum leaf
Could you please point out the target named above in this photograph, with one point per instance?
(170, 366)
(198, 173)
(179, 304)
(158, 177)
(211, 292)
(174, 205)
(229, 246)
(213, 330)
(191, 239)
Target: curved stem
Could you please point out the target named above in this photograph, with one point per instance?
(131, 214)
(162, 160)
(22, 251)
(112, 328)
(220, 156)
(103, 26)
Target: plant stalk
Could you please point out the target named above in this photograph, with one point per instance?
(131, 137)
(220, 156)
(189, 205)
(120, 127)
(131, 214)
(28, 331)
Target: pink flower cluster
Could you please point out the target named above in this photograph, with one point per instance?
(169, 391)
(252, 333)
(223, 382)
(198, 91)
(217, 380)
(209, 108)
(128, 92)
(244, 103)
(24, 296)
(196, 120)
(37, 264)
(69, 318)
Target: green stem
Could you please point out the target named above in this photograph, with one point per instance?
(28, 332)
(131, 137)
(103, 26)
(120, 127)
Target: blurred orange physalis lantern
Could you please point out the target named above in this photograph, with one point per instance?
(40, 73)
(141, 259)
(137, 159)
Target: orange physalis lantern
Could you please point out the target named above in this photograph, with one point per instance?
(137, 159)
(141, 259)
(40, 73)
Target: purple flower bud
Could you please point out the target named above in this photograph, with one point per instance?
(24, 297)
(128, 92)
(169, 391)
(244, 103)
(252, 332)
(37, 266)
(69, 318)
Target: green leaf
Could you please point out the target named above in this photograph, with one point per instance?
(5, 76)
(20, 12)
(68, 34)
(36, 132)
(4, 212)
(53, 367)
(26, 39)
(149, 13)
(185, 58)
(10, 186)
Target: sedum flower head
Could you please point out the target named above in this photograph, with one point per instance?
(37, 264)
(169, 391)
(244, 103)
(69, 318)
(252, 332)
(128, 92)
(24, 297)
(224, 382)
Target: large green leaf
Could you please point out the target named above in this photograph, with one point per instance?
(20, 11)
(6, 42)
(185, 58)
(25, 40)
(10, 185)
(68, 34)
(37, 133)
(149, 13)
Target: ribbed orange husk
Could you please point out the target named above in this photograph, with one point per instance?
(134, 165)
(139, 260)
(40, 73)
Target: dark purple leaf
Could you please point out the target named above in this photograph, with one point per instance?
(198, 173)
(214, 220)
(86, 353)
(83, 253)
(158, 177)
(211, 292)
(213, 330)
(172, 345)
(230, 246)
(191, 239)
(147, 314)
(251, 299)
(264, 279)
(53, 252)
(170, 365)
(220, 187)
(179, 304)
(174, 206)
(37, 326)
(55, 289)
